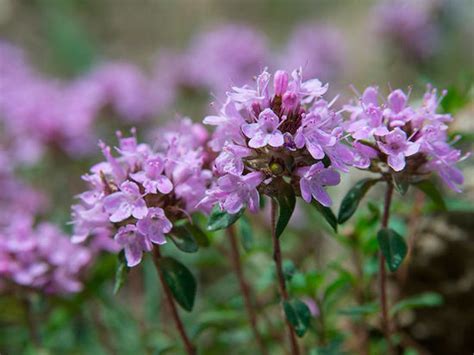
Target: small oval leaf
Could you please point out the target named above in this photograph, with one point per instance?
(352, 199)
(199, 236)
(327, 214)
(180, 281)
(401, 184)
(286, 201)
(246, 233)
(184, 239)
(427, 299)
(298, 314)
(121, 272)
(219, 219)
(393, 247)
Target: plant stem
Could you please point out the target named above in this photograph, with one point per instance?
(244, 288)
(361, 332)
(281, 278)
(32, 323)
(190, 349)
(383, 278)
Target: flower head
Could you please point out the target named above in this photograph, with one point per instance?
(136, 197)
(411, 140)
(266, 134)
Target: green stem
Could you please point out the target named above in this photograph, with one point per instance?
(281, 279)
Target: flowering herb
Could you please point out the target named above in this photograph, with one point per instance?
(403, 142)
(40, 258)
(276, 133)
(137, 197)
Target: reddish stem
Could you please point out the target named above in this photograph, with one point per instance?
(244, 288)
(383, 277)
(281, 279)
(190, 349)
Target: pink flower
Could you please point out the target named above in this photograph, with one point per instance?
(155, 225)
(125, 203)
(313, 180)
(366, 118)
(363, 155)
(133, 242)
(152, 177)
(315, 135)
(265, 131)
(230, 159)
(397, 112)
(236, 191)
(397, 147)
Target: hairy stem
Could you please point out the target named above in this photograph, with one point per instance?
(386, 327)
(244, 288)
(190, 349)
(281, 279)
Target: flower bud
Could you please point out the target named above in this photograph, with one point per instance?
(280, 82)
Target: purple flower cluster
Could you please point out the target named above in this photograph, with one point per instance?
(280, 129)
(283, 131)
(38, 111)
(409, 24)
(226, 55)
(230, 55)
(40, 257)
(138, 195)
(412, 141)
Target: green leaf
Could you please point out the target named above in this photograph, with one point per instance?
(432, 192)
(219, 219)
(362, 310)
(184, 239)
(393, 247)
(180, 281)
(327, 213)
(401, 185)
(298, 314)
(246, 233)
(353, 197)
(427, 299)
(286, 201)
(199, 236)
(121, 272)
(336, 290)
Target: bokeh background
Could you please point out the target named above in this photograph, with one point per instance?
(74, 71)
